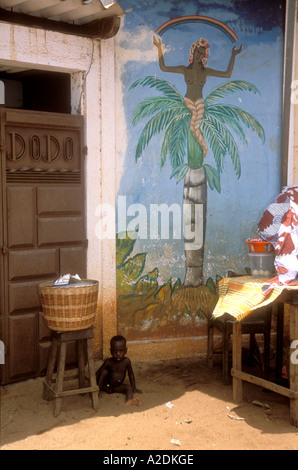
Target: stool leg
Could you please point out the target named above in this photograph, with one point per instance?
(92, 374)
(47, 395)
(81, 363)
(60, 377)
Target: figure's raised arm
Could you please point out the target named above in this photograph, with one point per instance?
(162, 64)
(228, 72)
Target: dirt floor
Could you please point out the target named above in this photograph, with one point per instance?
(184, 406)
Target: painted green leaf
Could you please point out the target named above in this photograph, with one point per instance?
(177, 285)
(161, 85)
(180, 172)
(228, 88)
(233, 117)
(148, 282)
(124, 246)
(210, 284)
(213, 177)
(133, 268)
(222, 143)
(172, 117)
(165, 292)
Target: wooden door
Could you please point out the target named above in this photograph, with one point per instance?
(42, 227)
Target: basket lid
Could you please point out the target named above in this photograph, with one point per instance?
(77, 283)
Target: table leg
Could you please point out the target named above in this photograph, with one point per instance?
(237, 360)
(294, 365)
(279, 342)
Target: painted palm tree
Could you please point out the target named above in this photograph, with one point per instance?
(218, 126)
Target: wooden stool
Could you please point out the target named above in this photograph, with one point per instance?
(83, 340)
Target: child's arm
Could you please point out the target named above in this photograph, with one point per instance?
(132, 378)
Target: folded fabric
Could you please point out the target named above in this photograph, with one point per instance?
(239, 296)
(279, 225)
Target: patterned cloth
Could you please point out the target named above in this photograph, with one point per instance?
(239, 296)
(279, 225)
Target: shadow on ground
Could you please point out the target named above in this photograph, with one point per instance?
(180, 397)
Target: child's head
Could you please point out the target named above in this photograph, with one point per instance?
(118, 347)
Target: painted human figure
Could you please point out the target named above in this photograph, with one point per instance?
(111, 375)
(195, 76)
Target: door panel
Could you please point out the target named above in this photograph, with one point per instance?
(23, 295)
(72, 259)
(42, 224)
(21, 216)
(56, 200)
(59, 230)
(28, 263)
(22, 344)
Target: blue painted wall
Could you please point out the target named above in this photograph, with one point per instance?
(232, 213)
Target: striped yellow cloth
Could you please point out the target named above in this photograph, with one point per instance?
(239, 296)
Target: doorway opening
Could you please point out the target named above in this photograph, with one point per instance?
(36, 90)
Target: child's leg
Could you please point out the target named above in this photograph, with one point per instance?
(128, 392)
(102, 380)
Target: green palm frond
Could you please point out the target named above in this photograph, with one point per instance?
(227, 118)
(180, 172)
(161, 85)
(153, 105)
(222, 141)
(232, 115)
(228, 88)
(215, 142)
(154, 126)
(175, 139)
(212, 177)
(170, 115)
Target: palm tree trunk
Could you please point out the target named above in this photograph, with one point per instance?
(194, 225)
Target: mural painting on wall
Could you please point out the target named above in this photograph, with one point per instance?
(188, 129)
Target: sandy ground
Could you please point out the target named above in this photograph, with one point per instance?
(184, 406)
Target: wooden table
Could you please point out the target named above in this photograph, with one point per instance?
(289, 296)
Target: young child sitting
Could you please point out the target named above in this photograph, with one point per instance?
(110, 376)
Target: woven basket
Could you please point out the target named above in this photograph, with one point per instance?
(69, 307)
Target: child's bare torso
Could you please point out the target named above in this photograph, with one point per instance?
(117, 371)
